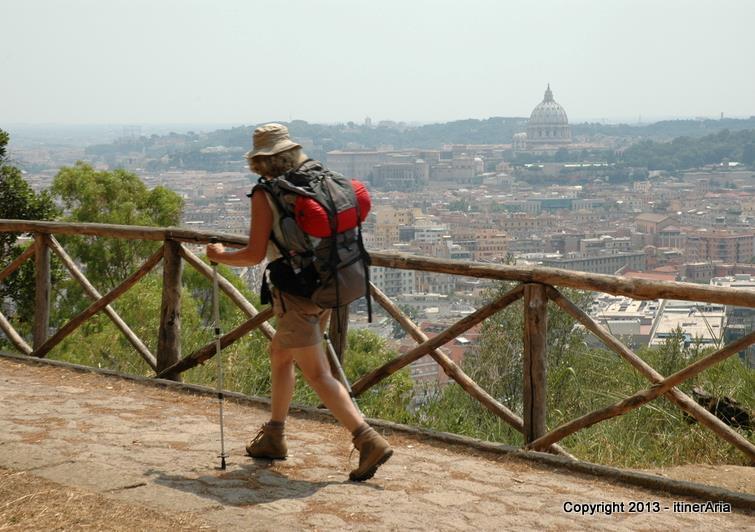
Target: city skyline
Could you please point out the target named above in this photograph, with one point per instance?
(198, 62)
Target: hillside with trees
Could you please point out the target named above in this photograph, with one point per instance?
(693, 152)
(223, 149)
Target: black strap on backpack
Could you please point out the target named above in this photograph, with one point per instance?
(333, 220)
(365, 262)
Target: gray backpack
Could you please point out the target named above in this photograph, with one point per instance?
(319, 235)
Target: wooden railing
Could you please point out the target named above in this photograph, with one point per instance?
(537, 287)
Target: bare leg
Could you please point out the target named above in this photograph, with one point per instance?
(282, 381)
(316, 370)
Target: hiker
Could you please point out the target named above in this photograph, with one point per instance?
(300, 324)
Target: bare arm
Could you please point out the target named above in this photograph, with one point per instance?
(259, 233)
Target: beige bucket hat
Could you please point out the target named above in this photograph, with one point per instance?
(269, 140)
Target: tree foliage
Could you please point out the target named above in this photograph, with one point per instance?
(19, 201)
(397, 331)
(390, 399)
(690, 152)
(115, 197)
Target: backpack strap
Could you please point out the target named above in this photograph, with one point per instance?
(286, 253)
(265, 292)
(263, 184)
(365, 262)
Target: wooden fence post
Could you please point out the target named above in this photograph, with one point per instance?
(42, 290)
(534, 371)
(169, 337)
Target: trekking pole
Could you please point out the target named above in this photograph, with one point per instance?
(216, 323)
(341, 375)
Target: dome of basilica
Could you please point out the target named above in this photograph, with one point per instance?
(548, 123)
(548, 112)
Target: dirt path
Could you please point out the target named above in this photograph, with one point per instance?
(82, 450)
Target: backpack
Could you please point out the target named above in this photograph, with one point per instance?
(319, 235)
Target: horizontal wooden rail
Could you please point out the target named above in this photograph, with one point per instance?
(610, 284)
(128, 232)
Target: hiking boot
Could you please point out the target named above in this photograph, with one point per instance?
(270, 443)
(374, 451)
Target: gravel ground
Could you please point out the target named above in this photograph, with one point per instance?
(82, 450)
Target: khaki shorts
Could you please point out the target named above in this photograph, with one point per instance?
(301, 323)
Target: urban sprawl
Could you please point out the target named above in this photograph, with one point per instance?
(470, 202)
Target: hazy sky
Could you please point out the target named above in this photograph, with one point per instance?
(246, 61)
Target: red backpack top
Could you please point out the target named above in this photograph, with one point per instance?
(313, 219)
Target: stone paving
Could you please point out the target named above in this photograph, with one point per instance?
(158, 448)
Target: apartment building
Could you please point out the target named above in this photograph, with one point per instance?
(724, 246)
(392, 281)
(522, 224)
(609, 263)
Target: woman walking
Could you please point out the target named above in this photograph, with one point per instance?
(301, 323)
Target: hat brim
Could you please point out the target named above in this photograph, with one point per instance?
(277, 148)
